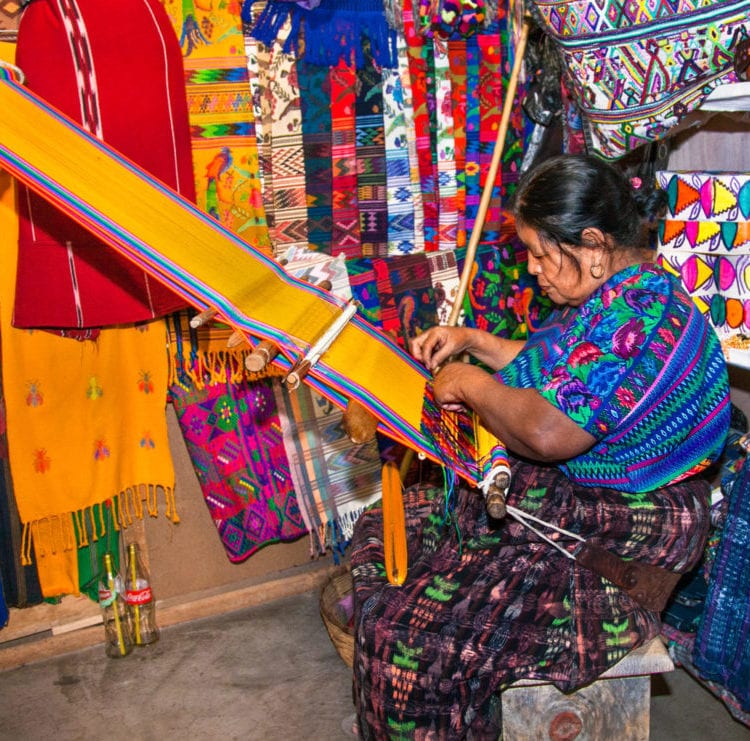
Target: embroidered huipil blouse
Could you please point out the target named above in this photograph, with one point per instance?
(639, 368)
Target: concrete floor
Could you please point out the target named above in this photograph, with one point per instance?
(268, 672)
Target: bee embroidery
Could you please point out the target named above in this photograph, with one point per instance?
(101, 451)
(145, 383)
(94, 390)
(35, 397)
(42, 462)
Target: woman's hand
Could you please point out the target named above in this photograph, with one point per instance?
(451, 383)
(434, 346)
(439, 344)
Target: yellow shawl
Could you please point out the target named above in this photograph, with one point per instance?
(86, 426)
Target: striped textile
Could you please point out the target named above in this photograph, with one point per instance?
(222, 118)
(371, 159)
(346, 226)
(399, 192)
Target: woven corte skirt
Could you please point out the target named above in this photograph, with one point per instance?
(488, 602)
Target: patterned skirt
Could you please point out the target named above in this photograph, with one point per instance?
(488, 602)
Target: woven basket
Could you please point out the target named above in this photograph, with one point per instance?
(336, 610)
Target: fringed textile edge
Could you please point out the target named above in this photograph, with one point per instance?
(78, 528)
(332, 32)
(334, 534)
(209, 367)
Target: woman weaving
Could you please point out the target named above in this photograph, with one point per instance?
(610, 411)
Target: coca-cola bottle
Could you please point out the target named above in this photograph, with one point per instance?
(117, 636)
(140, 599)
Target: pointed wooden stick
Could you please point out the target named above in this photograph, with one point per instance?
(203, 318)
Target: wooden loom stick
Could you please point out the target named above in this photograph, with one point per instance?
(203, 318)
(262, 354)
(303, 365)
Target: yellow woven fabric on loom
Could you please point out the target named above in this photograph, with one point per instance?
(86, 423)
(250, 286)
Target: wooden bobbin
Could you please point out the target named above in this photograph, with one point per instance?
(263, 353)
(235, 340)
(359, 424)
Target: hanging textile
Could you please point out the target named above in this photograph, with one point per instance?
(722, 652)
(73, 452)
(281, 145)
(457, 71)
(333, 30)
(418, 54)
(233, 436)
(335, 480)
(371, 157)
(400, 187)
(315, 105)
(20, 582)
(445, 151)
(636, 70)
(411, 143)
(132, 95)
(346, 227)
(704, 240)
(221, 114)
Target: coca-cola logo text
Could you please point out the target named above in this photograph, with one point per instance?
(138, 596)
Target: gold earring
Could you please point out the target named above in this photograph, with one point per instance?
(597, 271)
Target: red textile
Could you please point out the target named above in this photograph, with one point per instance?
(117, 69)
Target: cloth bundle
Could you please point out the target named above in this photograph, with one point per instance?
(636, 70)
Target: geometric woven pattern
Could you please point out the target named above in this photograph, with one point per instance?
(638, 68)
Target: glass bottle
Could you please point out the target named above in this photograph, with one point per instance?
(118, 641)
(140, 599)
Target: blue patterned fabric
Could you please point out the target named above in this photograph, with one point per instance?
(638, 367)
(722, 649)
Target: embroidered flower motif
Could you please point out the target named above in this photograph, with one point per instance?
(584, 354)
(625, 397)
(638, 298)
(147, 442)
(574, 395)
(628, 339)
(94, 390)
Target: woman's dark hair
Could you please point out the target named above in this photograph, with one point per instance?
(566, 194)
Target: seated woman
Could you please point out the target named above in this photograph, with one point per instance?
(610, 410)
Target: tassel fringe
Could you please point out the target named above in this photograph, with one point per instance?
(332, 32)
(66, 532)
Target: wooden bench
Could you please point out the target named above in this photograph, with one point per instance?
(616, 707)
